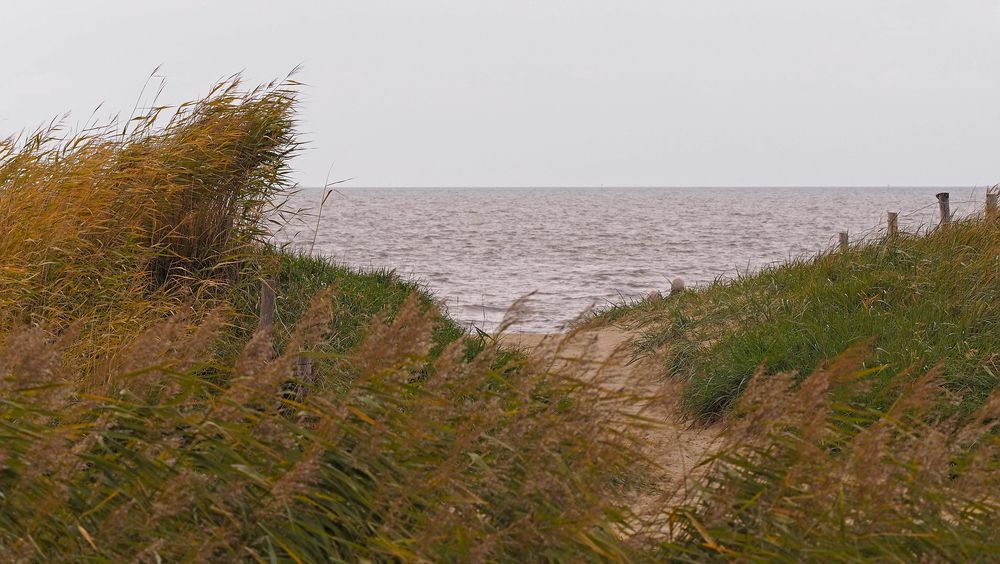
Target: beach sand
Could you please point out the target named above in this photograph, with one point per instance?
(604, 355)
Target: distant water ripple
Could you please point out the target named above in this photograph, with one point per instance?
(480, 249)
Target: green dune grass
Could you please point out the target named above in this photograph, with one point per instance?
(919, 300)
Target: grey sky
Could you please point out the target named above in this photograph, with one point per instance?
(456, 93)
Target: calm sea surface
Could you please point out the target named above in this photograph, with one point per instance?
(480, 249)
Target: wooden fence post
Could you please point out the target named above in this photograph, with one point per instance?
(844, 243)
(266, 305)
(944, 208)
(991, 206)
(893, 225)
(303, 363)
(304, 369)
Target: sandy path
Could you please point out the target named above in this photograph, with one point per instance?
(604, 355)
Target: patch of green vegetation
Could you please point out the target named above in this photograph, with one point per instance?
(357, 296)
(357, 299)
(920, 300)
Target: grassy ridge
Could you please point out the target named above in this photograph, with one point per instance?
(921, 300)
(888, 452)
(357, 297)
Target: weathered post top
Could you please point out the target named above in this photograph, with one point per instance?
(893, 224)
(676, 286)
(944, 207)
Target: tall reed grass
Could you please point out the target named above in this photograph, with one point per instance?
(116, 226)
(808, 476)
(402, 459)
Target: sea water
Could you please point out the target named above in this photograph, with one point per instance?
(572, 249)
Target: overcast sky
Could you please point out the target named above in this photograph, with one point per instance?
(616, 92)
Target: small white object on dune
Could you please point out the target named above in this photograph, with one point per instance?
(654, 295)
(676, 286)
